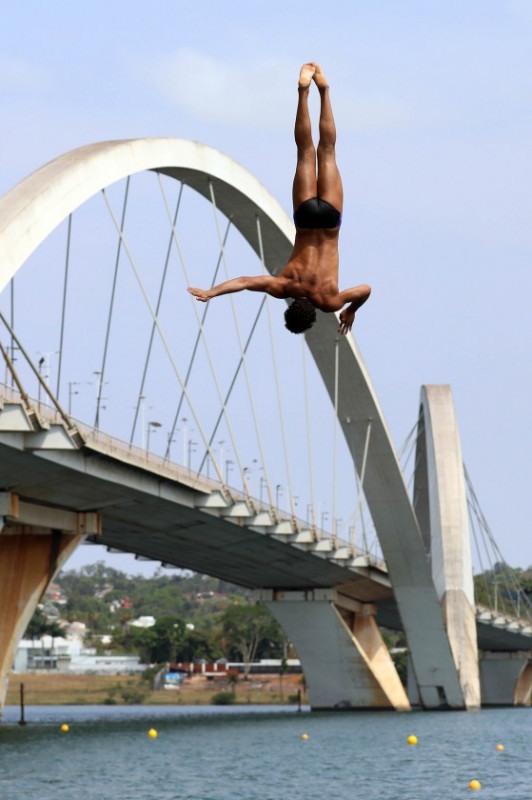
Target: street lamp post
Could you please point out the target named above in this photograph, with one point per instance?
(496, 595)
(71, 393)
(191, 448)
(184, 420)
(44, 367)
(170, 441)
(41, 364)
(246, 477)
(152, 427)
(100, 383)
(228, 467)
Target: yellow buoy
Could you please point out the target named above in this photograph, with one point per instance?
(304, 736)
(152, 733)
(412, 739)
(474, 784)
(65, 728)
(499, 747)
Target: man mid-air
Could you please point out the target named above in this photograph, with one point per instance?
(311, 274)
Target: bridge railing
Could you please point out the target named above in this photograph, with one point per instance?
(502, 619)
(111, 446)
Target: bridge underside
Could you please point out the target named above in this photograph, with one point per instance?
(167, 520)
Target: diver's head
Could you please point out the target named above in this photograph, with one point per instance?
(300, 315)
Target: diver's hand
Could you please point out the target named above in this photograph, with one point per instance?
(347, 317)
(202, 295)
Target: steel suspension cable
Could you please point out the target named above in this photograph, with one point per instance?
(12, 317)
(259, 437)
(309, 436)
(360, 485)
(200, 319)
(405, 453)
(335, 437)
(223, 400)
(475, 534)
(280, 411)
(407, 444)
(232, 384)
(243, 474)
(101, 376)
(157, 309)
(510, 580)
(63, 309)
(162, 336)
(42, 383)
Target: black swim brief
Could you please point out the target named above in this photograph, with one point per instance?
(317, 213)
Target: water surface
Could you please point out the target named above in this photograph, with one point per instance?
(252, 753)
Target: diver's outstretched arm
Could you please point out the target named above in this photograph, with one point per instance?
(259, 283)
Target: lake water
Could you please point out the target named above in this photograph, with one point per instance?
(252, 753)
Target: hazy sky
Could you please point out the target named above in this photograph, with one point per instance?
(433, 108)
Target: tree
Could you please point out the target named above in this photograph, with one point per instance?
(39, 626)
(244, 627)
(168, 635)
(135, 640)
(196, 645)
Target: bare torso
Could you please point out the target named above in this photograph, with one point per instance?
(312, 270)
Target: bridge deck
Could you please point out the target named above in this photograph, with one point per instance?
(161, 511)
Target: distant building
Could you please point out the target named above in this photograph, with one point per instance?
(143, 622)
(55, 595)
(68, 655)
(106, 665)
(75, 630)
(46, 653)
(222, 668)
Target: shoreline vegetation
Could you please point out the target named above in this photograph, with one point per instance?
(53, 688)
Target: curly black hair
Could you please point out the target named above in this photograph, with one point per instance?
(300, 315)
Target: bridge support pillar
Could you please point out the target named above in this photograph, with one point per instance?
(506, 678)
(441, 508)
(346, 663)
(30, 556)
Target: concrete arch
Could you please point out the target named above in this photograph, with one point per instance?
(39, 203)
(441, 508)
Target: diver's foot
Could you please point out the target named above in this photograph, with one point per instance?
(306, 74)
(319, 78)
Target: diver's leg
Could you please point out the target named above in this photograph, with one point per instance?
(305, 179)
(329, 181)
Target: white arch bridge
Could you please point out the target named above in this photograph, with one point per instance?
(222, 452)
